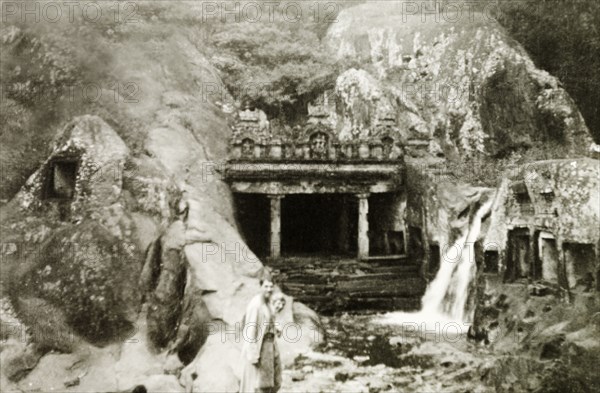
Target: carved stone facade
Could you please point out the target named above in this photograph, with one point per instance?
(278, 161)
(547, 227)
(316, 140)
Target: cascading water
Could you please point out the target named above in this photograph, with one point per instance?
(446, 296)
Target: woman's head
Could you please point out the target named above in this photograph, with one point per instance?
(278, 302)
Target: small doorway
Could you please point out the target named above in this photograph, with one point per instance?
(491, 260)
(518, 253)
(61, 178)
(386, 225)
(548, 257)
(415, 248)
(580, 259)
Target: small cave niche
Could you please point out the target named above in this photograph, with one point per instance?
(247, 148)
(388, 144)
(60, 180)
(319, 142)
(580, 260)
(518, 254)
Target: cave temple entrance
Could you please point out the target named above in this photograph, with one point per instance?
(310, 194)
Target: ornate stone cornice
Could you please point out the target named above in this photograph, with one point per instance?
(249, 127)
(315, 140)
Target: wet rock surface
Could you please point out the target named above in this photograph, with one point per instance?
(533, 344)
(363, 356)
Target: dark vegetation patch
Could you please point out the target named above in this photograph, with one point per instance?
(563, 38)
(276, 65)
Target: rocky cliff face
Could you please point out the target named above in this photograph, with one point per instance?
(123, 230)
(461, 84)
(486, 110)
(149, 217)
(459, 79)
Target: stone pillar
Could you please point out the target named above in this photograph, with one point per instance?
(563, 278)
(363, 226)
(343, 224)
(275, 235)
(533, 269)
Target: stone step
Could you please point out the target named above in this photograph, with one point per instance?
(330, 285)
(376, 303)
(301, 287)
(330, 304)
(387, 284)
(373, 279)
(400, 270)
(302, 278)
(390, 262)
(385, 304)
(386, 292)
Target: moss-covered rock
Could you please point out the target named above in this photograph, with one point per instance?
(90, 275)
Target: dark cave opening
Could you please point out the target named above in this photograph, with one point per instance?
(518, 254)
(319, 224)
(252, 213)
(60, 180)
(491, 260)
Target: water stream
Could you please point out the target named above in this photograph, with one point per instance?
(445, 301)
(400, 351)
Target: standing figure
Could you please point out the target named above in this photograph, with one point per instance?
(261, 366)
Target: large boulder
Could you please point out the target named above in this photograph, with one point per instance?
(90, 275)
(94, 156)
(460, 80)
(217, 366)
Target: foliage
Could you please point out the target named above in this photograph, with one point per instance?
(276, 65)
(480, 170)
(563, 37)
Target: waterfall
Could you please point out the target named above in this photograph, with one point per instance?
(446, 296)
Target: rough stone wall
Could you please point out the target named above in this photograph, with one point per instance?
(573, 214)
(464, 82)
